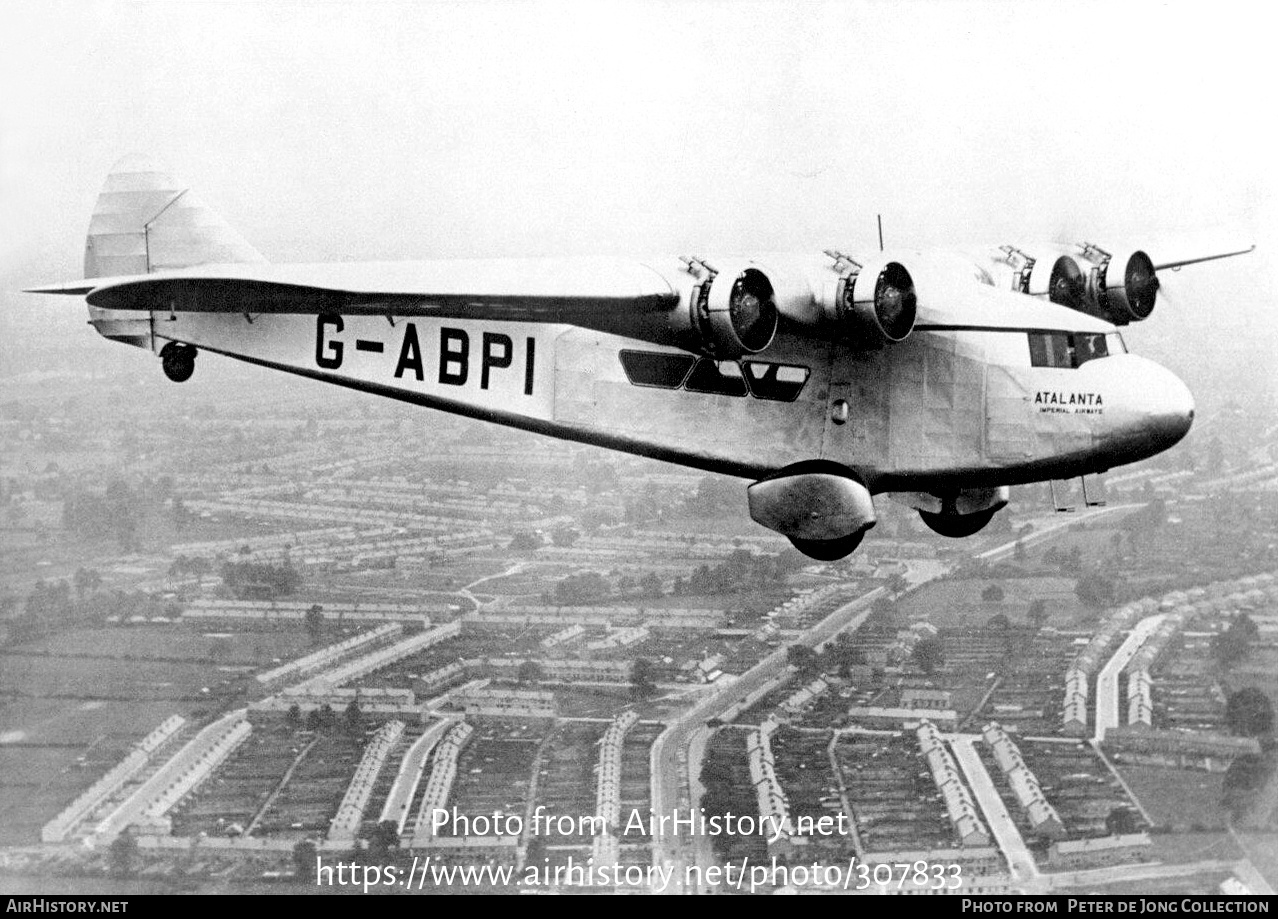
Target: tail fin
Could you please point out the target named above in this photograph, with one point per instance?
(146, 222)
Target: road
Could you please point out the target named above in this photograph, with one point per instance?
(410, 774)
(1107, 714)
(670, 758)
(1043, 529)
(1000, 822)
(1128, 873)
(465, 592)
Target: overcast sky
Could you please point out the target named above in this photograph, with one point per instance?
(364, 130)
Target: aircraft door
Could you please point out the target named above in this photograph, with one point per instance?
(856, 408)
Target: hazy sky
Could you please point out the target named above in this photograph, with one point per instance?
(366, 130)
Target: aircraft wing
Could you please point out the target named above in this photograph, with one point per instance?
(1181, 261)
(523, 290)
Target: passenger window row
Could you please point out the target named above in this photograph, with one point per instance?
(763, 380)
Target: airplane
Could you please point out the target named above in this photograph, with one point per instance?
(826, 378)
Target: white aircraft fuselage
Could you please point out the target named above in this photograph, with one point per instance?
(958, 404)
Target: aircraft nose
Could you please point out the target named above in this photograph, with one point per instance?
(1161, 404)
(1154, 409)
(1172, 414)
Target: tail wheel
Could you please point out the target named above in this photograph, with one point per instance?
(828, 550)
(956, 526)
(178, 361)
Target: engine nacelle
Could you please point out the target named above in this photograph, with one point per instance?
(814, 501)
(872, 304)
(730, 309)
(1117, 288)
(1126, 286)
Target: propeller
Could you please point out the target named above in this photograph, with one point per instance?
(1067, 285)
(1141, 283)
(752, 310)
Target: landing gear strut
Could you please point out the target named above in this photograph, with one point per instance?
(178, 361)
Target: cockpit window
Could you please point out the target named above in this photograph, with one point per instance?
(1072, 349)
(1050, 349)
(1088, 347)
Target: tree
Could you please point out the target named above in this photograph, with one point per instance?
(717, 496)
(1249, 712)
(650, 585)
(313, 720)
(1121, 821)
(714, 771)
(122, 854)
(897, 585)
(315, 621)
(929, 654)
(529, 672)
(1228, 647)
(354, 716)
(880, 616)
(1037, 613)
(564, 536)
(1094, 591)
(254, 581)
(536, 852)
(181, 516)
(81, 582)
(804, 658)
(642, 685)
(1232, 645)
(1244, 779)
(294, 715)
(525, 541)
(999, 622)
(992, 594)
(304, 859)
(384, 838)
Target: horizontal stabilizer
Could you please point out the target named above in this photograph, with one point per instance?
(69, 288)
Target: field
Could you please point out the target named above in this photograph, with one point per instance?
(181, 643)
(1183, 798)
(72, 705)
(1262, 849)
(958, 604)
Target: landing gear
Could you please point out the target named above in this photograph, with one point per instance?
(178, 361)
(956, 526)
(828, 550)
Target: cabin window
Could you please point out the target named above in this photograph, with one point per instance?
(655, 368)
(721, 378)
(777, 382)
